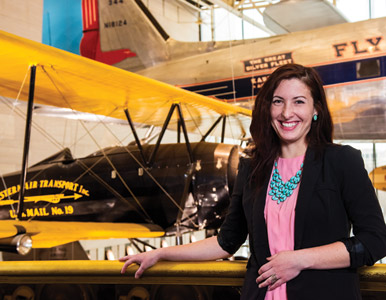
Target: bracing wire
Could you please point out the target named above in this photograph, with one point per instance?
(139, 163)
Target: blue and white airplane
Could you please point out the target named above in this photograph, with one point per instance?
(350, 58)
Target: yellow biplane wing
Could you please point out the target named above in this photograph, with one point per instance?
(46, 234)
(67, 80)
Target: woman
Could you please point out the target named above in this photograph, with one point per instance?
(297, 198)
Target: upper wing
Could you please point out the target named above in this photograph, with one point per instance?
(67, 80)
(46, 234)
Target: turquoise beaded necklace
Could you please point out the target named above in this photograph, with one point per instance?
(280, 190)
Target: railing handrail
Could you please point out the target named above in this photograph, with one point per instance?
(218, 273)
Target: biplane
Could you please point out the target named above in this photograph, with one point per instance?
(136, 190)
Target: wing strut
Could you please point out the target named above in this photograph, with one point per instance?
(181, 124)
(27, 137)
(223, 128)
(214, 126)
(179, 132)
(164, 127)
(188, 180)
(137, 140)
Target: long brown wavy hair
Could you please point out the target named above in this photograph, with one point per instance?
(267, 143)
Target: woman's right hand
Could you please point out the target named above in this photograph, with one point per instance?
(144, 260)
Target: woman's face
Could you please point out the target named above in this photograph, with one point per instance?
(292, 109)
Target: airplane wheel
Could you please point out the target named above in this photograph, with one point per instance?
(138, 293)
(178, 292)
(63, 292)
(23, 292)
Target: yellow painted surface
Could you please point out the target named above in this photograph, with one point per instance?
(7, 230)
(49, 234)
(197, 273)
(378, 178)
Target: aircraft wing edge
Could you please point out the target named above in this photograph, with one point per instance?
(46, 234)
(34, 53)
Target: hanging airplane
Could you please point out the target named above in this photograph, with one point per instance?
(350, 58)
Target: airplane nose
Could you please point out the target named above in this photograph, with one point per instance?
(230, 154)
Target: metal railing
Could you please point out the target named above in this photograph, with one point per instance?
(217, 273)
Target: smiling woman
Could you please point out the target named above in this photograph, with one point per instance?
(292, 111)
(292, 130)
(297, 199)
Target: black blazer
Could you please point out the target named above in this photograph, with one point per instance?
(335, 196)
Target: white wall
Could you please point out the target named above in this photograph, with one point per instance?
(22, 17)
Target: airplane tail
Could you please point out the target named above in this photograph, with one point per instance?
(129, 27)
(116, 30)
(90, 44)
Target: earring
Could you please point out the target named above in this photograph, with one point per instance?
(315, 117)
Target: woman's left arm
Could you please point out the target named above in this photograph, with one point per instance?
(368, 243)
(286, 265)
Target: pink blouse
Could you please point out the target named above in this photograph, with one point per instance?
(280, 218)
